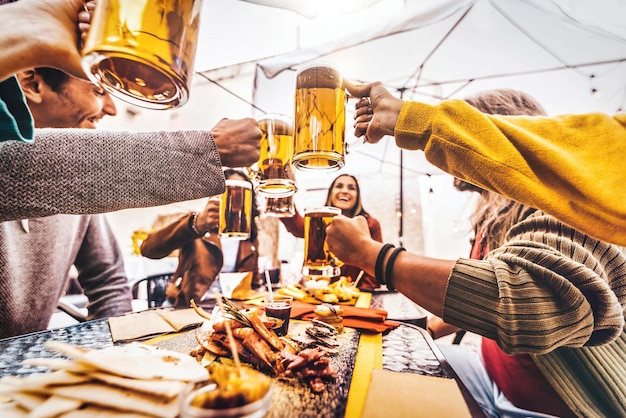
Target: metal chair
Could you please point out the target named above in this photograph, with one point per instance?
(68, 305)
(155, 288)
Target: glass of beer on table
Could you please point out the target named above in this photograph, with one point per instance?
(274, 170)
(236, 210)
(320, 119)
(143, 52)
(318, 260)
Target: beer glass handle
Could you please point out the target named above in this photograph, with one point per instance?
(351, 146)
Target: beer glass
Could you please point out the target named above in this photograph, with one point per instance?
(143, 51)
(236, 210)
(318, 260)
(274, 169)
(320, 119)
(280, 207)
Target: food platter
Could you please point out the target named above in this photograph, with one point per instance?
(289, 398)
(292, 398)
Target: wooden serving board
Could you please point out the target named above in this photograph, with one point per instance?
(298, 400)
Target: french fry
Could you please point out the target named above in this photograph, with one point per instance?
(293, 291)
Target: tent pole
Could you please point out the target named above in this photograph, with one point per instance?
(401, 217)
(401, 205)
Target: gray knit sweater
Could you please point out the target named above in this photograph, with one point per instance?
(35, 261)
(85, 171)
(558, 295)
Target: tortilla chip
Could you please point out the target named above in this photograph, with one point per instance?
(12, 410)
(138, 361)
(60, 364)
(119, 399)
(163, 388)
(54, 406)
(40, 381)
(92, 411)
(27, 401)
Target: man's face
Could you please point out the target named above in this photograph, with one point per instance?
(77, 104)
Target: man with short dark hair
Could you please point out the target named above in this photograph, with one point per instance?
(36, 254)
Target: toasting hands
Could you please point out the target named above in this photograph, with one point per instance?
(376, 113)
(237, 141)
(349, 240)
(208, 219)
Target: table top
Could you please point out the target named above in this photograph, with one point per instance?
(407, 349)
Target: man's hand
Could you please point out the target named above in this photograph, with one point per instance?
(58, 22)
(237, 141)
(208, 219)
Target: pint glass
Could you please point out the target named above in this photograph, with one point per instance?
(320, 119)
(318, 260)
(275, 172)
(236, 210)
(143, 51)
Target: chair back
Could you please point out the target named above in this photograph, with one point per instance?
(155, 288)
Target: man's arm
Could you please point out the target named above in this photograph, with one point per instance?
(79, 171)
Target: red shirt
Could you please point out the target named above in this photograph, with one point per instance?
(521, 381)
(517, 375)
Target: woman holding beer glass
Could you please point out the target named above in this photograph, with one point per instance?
(202, 254)
(344, 193)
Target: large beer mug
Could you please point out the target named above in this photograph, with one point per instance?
(318, 260)
(274, 170)
(143, 51)
(280, 207)
(236, 210)
(320, 119)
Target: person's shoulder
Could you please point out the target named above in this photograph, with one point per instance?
(370, 219)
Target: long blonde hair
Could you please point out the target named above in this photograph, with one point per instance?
(494, 212)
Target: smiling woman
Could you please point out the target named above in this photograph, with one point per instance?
(343, 193)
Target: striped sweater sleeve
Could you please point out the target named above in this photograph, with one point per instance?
(548, 286)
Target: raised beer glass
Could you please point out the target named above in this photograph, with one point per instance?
(274, 170)
(318, 260)
(320, 119)
(236, 210)
(143, 51)
(280, 207)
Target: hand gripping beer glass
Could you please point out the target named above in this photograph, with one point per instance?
(236, 210)
(320, 119)
(274, 170)
(318, 260)
(143, 51)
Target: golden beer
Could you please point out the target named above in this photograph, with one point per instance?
(143, 51)
(280, 207)
(276, 176)
(318, 260)
(236, 210)
(320, 119)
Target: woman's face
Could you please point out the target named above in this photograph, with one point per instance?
(344, 193)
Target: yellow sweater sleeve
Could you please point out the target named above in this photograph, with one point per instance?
(572, 166)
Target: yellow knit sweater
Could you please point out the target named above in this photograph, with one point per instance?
(572, 166)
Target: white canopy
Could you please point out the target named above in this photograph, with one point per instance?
(568, 54)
